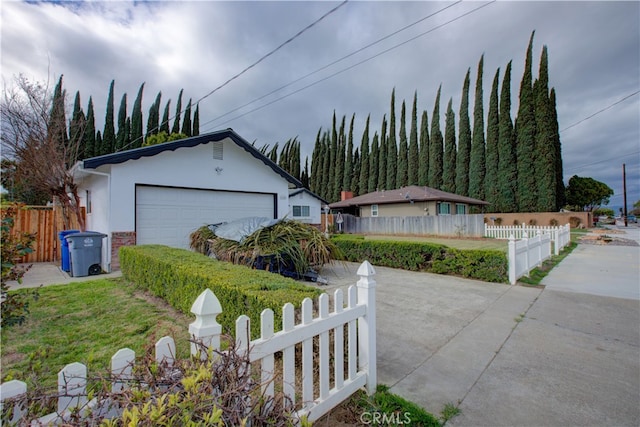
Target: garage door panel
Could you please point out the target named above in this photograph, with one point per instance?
(168, 215)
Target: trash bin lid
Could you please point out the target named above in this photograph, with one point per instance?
(85, 234)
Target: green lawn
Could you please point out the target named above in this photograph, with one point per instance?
(87, 322)
(470, 243)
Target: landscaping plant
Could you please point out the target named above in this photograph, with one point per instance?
(15, 307)
(287, 241)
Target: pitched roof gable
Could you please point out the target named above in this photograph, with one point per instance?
(305, 190)
(193, 141)
(405, 195)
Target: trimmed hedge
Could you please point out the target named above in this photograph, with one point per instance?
(486, 265)
(178, 276)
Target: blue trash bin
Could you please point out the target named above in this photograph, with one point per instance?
(65, 263)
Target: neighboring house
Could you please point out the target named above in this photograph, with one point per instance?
(305, 206)
(161, 193)
(406, 201)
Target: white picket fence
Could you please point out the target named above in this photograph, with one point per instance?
(359, 347)
(560, 235)
(527, 253)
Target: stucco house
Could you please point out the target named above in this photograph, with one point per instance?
(305, 206)
(161, 193)
(407, 201)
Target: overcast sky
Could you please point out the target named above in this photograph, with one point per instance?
(594, 63)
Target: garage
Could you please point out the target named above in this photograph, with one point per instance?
(167, 215)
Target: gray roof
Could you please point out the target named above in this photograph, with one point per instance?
(152, 150)
(412, 193)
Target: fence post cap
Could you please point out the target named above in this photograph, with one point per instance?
(366, 269)
(206, 304)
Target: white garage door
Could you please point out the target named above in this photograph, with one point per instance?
(167, 215)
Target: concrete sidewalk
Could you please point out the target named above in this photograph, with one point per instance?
(49, 273)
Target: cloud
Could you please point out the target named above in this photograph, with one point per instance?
(594, 60)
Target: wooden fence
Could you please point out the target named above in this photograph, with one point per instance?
(45, 222)
(358, 318)
(440, 225)
(560, 235)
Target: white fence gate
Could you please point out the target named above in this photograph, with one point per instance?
(560, 235)
(358, 347)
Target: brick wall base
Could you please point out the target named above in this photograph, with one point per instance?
(118, 239)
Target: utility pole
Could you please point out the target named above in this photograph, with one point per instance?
(624, 192)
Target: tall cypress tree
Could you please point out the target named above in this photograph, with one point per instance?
(348, 159)
(355, 179)
(382, 156)
(525, 130)
(333, 148)
(316, 165)
(545, 161)
(176, 122)
(98, 141)
(164, 125)
(326, 166)
(363, 182)
(76, 130)
(436, 147)
(449, 169)
(109, 134)
(402, 175)
(392, 147)
(304, 177)
(423, 166)
(477, 165)
(196, 121)
(122, 138)
(340, 159)
(153, 120)
(560, 195)
(464, 141)
(136, 120)
(90, 132)
(373, 164)
(414, 154)
(507, 173)
(186, 121)
(57, 125)
(493, 131)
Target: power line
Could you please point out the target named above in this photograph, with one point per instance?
(600, 111)
(298, 34)
(286, 42)
(577, 168)
(362, 62)
(334, 62)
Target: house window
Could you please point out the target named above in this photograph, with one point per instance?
(300, 211)
(374, 210)
(444, 208)
(88, 195)
(461, 209)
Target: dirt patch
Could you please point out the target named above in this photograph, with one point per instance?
(605, 238)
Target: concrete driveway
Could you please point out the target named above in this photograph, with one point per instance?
(568, 355)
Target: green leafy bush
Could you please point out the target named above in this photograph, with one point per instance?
(487, 265)
(178, 276)
(14, 246)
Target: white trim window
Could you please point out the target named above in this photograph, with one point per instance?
(374, 210)
(301, 211)
(461, 209)
(444, 208)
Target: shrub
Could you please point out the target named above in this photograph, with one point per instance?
(217, 391)
(484, 265)
(533, 222)
(554, 222)
(574, 222)
(14, 246)
(179, 276)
